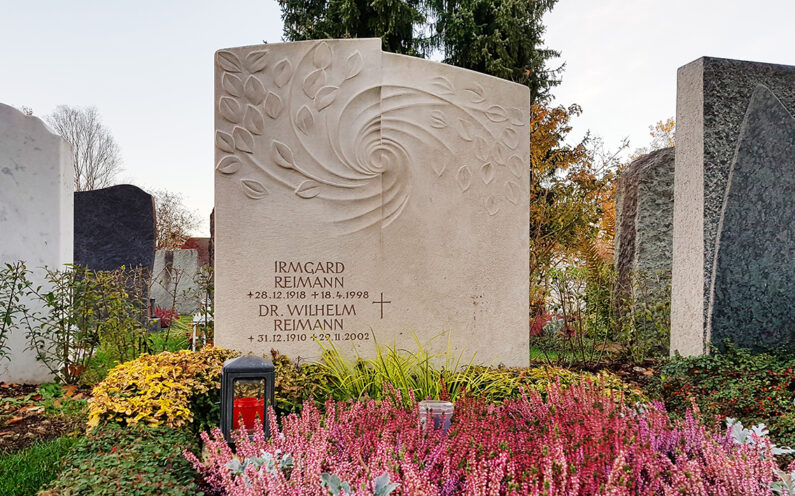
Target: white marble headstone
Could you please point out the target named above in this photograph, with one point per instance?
(363, 196)
(36, 215)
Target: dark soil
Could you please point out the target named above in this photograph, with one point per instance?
(23, 421)
(638, 374)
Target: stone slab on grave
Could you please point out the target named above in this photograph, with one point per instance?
(115, 227)
(36, 190)
(363, 196)
(734, 218)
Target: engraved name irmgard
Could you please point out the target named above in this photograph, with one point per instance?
(310, 301)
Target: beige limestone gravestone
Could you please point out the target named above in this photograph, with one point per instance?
(36, 219)
(363, 196)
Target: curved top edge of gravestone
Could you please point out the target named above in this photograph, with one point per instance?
(377, 42)
(13, 117)
(117, 188)
(706, 59)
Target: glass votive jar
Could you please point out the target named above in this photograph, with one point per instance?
(439, 412)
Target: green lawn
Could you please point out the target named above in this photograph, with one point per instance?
(24, 472)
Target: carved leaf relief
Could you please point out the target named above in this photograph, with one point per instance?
(304, 120)
(253, 120)
(495, 113)
(481, 149)
(465, 129)
(443, 85)
(512, 192)
(232, 84)
(228, 165)
(244, 141)
(254, 90)
(322, 57)
(273, 105)
(282, 155)
(224, 142)
(308, 189)
(313, 82)
(353, 64)
(515, 115)
(500, 153)
(257, 60)
(229, 109)
(510, 137)
(487, 172)
(515, 165)
(253, 189)
(325, 97)
(477, 94)
(228, 61)
(282, 72)
(437, 120)
(439, 166)
(492, 205)
(464, 178)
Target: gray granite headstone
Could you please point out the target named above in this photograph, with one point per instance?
(644, 218)
(733, 275)
(114, 226)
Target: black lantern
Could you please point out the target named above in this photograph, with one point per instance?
(246, 392)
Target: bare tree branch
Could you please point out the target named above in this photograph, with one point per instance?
(174, 221)
(97, 159)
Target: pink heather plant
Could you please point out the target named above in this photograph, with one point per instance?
(581, 441)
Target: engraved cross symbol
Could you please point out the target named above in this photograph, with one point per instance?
(382, 302)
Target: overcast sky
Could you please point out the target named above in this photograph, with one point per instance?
(147, 66)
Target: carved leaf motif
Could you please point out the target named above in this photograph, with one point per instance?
(443, 85)
(439, 166)
(282, 72)
(228, 165)
(256, 60)
(477, 93)
(465, 129)
(308, 189)
(253, 120)
(304, 120)
(244, 141)
(253, 189)
(224, 142)
(510, 137)
(314, 81)
(464, 178)
(322, 57)
(500, 153)
(512, 192)
(515, 115)
(353, 64)
(325, 97)
(232, 84)
(487, 172)
(437, 120)
(492, 206)
(282, 155)
(228, 61)
(230, 109)
(481, 149)
(495, 113)
(515, 165)
(273, 105)
(254, 90)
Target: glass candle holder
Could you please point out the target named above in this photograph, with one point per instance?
(439, 412)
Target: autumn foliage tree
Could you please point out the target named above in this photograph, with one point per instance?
(175, 221)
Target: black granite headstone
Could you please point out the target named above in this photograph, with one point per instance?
(114, 227)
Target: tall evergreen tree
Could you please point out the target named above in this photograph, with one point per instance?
(394, 21)
(498, 37)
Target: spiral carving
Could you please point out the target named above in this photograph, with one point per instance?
(323, 126)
